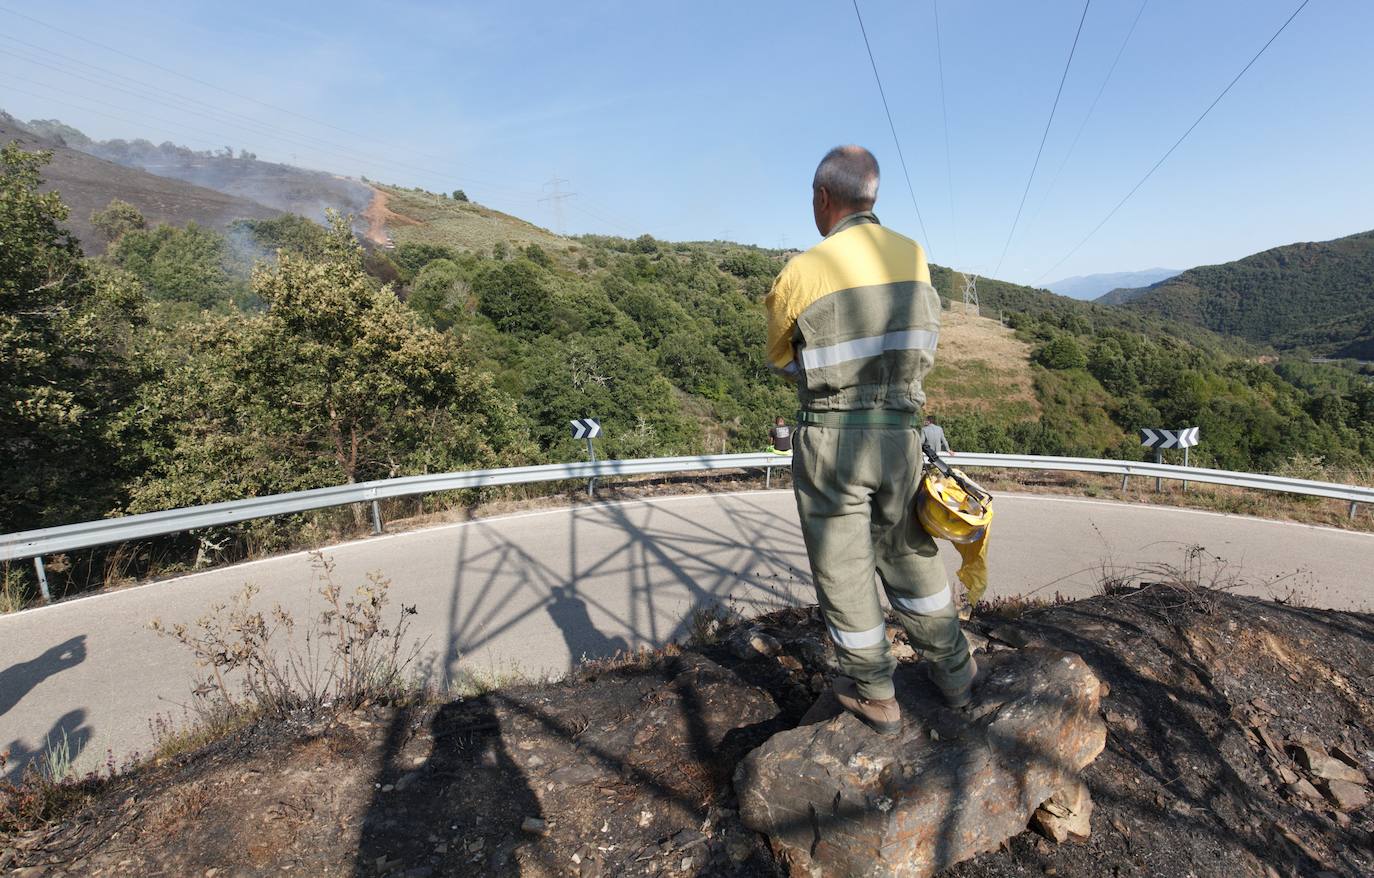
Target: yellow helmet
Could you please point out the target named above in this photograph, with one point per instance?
(953, 507)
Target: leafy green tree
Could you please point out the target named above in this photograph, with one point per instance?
(536, 254)
(117, 218)
(440, 294)
(600, 376)
(1061, 352)
(192, 265)
(411, 257)
(515, 296)
(460, 195)
(337, 382)
(694, 365)
(749, 263)
(63, 328)
(291, 232)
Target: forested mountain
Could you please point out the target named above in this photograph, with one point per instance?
(1092, 286)
(1315, 296)
(89, 184)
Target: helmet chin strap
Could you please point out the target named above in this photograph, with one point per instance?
(970, 487)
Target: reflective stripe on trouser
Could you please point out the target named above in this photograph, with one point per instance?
(854, 489)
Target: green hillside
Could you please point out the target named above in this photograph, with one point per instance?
(1315, 296)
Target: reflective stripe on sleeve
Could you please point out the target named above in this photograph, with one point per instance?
(925, 605)
(872, 346)
(858, 639)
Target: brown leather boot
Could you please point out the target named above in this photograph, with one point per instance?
(960, 697)
(882, 716)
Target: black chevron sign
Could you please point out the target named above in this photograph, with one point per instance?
(1185, 438)
(585, 428)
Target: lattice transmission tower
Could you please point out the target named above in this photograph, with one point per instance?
(555, 199)
(970, 294)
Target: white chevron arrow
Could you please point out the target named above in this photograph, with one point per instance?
(1148, 437)
(585, 428)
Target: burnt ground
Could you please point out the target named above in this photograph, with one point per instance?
(89, 184)
(624, 768)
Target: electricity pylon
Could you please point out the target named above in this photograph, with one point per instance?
(555, 199)
(970, 294)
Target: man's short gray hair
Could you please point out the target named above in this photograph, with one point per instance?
(850, 175)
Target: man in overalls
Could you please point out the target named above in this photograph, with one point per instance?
(855, 321)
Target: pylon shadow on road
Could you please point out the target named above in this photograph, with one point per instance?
(661, 566)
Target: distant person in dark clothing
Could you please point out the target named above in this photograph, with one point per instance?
(780, 436)
(933, 434)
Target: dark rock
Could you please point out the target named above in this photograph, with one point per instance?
(975, 640)
(577, 773)
(836, 797)
(752, 643)
(1012, 636)
(686, 838)
(535, 826)
(1121, 721)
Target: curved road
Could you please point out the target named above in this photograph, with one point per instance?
(536, 591)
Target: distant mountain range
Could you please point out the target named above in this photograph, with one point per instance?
(1314, 296)
(1091, 286)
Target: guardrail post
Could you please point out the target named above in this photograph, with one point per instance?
(42, 577)
(1124, 477)
(768, 477)
(376, 517)
(1354, 507)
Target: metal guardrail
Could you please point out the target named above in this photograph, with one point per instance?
(51, 540)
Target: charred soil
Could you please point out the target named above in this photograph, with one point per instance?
(1228, 721)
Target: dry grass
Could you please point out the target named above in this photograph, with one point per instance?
(1215, 498)
(250, 663)
(421, 218)
(981, 368)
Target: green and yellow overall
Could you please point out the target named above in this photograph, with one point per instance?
(855, 321)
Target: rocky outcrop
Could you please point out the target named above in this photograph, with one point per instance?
(837, 799)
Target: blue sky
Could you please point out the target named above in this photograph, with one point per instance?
(705, 120)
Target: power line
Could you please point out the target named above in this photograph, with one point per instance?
(555, 198)
(163, 96)
(20, 91)
(944, 117)
(185, 76)
(896, 141)
(1093, 106)
(1043, 137)
(1180, 140)
(258, 128)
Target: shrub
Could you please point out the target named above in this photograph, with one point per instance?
(248, 663)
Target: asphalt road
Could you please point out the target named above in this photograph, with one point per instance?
(534, 592)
